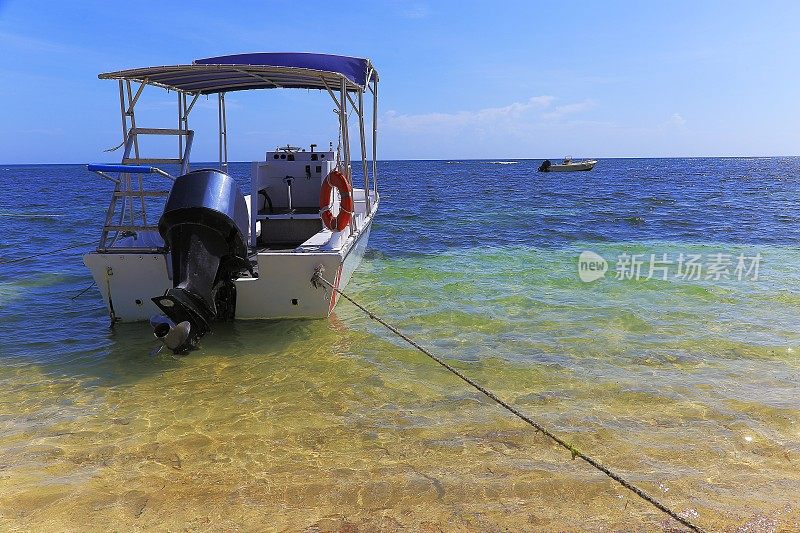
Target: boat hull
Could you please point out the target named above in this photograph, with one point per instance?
(572, 167)
(283, 288)
(128, 281)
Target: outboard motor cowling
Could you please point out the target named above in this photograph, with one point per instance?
(205, 223)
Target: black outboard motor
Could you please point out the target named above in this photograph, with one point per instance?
(204, 223)
(545, 166)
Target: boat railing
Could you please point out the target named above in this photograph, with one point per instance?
(127, 214)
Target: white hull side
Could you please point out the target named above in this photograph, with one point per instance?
(283, 289)
(574, 167)
(128, 281)
(353, 259)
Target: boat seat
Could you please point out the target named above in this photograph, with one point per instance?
(289, 230)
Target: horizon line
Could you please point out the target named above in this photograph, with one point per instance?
(480, 159)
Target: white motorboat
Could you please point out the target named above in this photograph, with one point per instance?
(211, 252)
(568, 165)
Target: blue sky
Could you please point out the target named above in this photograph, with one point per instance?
(458, 79)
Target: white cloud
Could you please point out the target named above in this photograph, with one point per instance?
(527, 128)
(568, 109)
(675, 120)
(416, 11)
(481, 118)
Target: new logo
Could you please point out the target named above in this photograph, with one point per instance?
(591, 266)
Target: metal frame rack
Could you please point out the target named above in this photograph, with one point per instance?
(127, 211)
(345, 79)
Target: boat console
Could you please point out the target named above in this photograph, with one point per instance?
(285, 195)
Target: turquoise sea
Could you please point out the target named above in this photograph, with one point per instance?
(680, 367)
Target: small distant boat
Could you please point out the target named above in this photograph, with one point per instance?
(568, 165)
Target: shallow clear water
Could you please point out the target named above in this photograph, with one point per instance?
(689, 387)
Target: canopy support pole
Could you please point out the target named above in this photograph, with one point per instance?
(225, 123)
(363, 150)
(223, 135)
(346, 140)
(191, 105)
(330, 92)
(353, 104)
(181, 107)
(375, 136)
(135, 98)
(131, 114)
(122, 112)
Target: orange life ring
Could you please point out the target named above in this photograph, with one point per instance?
(340, 221)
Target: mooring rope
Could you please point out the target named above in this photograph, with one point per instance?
(83, 291)
(45, 253)
(525, 418)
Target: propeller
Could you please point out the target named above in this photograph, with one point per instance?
(173, 336)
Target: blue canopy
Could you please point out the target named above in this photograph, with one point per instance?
(354, 68)
(256, 71)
